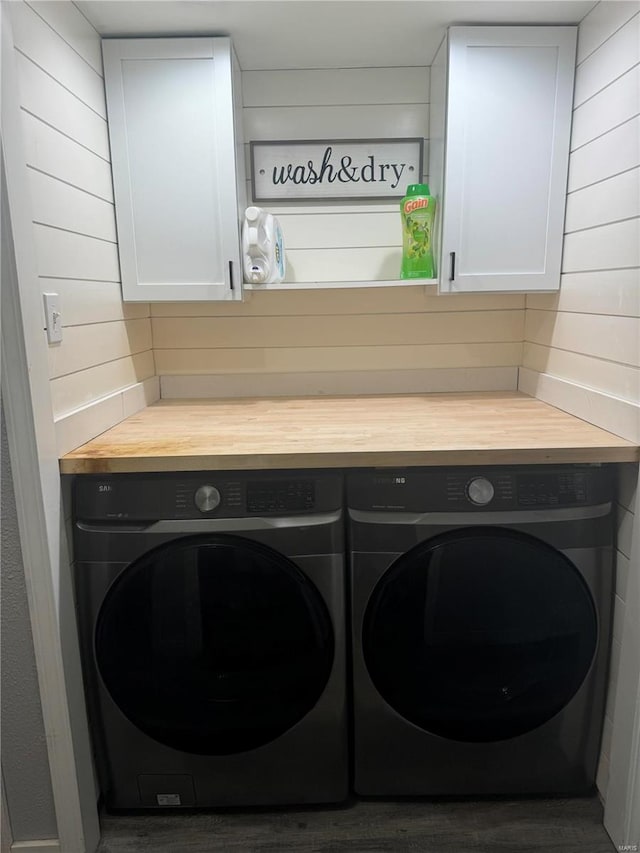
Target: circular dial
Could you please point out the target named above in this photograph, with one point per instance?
(480, 491)
(207, 498)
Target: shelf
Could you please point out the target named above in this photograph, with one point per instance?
(330, 285)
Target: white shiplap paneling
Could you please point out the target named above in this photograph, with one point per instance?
(615, 152)
(607, 247)
(73, 428)
(63, 254)
(351, 359)
(341, 230)
(92, 345)
(71, 27)
(44, 97)
(382, 381)
(581, 350)
(612, 338)
(610, 292)
(613, 105)
(336, 86)
(62, 205)
(621, 380)
(602, 22)
(611, 60)
(106, 348)
(370, 121)
(358, 242)
(34, 37)
(333, 333)
(85, 302)
(76, 390)
(607, 201)
(371, 263)
(51, 152)
(612, 413)
(248, 332)
(318, 303)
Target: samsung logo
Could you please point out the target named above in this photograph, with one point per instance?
(390, 480)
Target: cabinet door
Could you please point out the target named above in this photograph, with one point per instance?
(509, 100)
(173, 150)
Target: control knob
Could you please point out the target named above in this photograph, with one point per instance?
(207, 498)
(480, 491)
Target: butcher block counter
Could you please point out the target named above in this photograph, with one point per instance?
(486, 428)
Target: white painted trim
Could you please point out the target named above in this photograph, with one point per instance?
(81, 425)
(621, 417)
(44, 846)
(622, 802)
(31, 438)
(347, 382)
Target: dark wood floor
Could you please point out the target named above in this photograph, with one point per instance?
(506, 826)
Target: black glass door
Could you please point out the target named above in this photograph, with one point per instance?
(481, 634)
(214, 644)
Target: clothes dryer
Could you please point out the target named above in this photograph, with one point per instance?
(481, 616)
(211, 614)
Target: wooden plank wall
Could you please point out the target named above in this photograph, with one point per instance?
(106, 346)
(338, 340)
(582, 345)
(347, 241)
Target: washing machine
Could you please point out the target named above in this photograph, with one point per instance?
(211, 618)
(481, 617)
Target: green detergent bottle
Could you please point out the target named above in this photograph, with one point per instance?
(417, 209)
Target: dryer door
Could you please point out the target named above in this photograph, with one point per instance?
(480, 634)
(214, 644)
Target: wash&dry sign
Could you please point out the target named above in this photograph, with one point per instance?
(332, 170)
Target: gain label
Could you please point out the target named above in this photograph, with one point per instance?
(417, 210)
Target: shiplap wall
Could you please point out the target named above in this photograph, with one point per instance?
(582, 346)
(346, 340)
(348, 241)
(103, 369)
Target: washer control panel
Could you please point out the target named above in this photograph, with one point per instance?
(210, 494)
(280, 496)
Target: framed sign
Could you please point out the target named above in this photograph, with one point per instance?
(336, 169)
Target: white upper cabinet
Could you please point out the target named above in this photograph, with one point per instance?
(178, 166)
(501, 173)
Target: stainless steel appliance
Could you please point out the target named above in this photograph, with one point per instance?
(211, 613)
(481, 608)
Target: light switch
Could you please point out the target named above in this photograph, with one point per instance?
(53, 314)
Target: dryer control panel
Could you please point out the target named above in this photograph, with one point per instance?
(478, 489)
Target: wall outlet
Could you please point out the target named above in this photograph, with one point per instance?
(53, 315)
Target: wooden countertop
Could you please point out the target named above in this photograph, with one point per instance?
(339, 432)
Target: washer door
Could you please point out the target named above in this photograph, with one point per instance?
(214, 644)
(480, 634)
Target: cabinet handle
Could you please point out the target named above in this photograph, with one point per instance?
(231, 275)
(452, 270)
